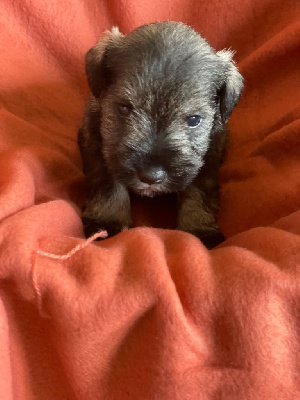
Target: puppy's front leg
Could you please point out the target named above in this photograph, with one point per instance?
(108, 203)
(197, 215)
(108, 210)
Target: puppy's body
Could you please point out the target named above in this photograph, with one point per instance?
(156, 123)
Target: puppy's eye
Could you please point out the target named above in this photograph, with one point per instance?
(193, 120)
(124, 110)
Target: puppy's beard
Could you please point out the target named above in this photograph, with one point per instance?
(170, 185)
(143, 189)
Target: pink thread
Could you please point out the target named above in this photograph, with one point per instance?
(36, 287)
(101, 234)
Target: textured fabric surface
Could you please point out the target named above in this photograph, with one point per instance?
(149, 314)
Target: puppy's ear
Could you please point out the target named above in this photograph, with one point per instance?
(95, 61)
(232, 86)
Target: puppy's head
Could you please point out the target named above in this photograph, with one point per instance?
(163, 92)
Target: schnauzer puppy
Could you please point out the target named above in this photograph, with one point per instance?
(155, 123)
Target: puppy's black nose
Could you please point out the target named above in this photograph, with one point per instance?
(152, 175)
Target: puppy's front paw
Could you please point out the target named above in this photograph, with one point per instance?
(107, 211)
(92, 226)
(210, 239)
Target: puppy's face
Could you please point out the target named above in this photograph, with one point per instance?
(162, 91)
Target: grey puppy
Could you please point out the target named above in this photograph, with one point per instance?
(155, 123)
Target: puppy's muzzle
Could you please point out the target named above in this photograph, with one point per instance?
(152, 175)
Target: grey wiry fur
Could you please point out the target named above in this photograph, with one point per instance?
(163, 73)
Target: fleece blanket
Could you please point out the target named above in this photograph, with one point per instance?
(151, 313)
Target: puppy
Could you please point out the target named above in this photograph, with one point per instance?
(155, 123)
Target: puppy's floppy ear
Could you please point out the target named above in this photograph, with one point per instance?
(232, 86)
(95, 66)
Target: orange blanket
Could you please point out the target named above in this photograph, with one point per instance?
(148, 314)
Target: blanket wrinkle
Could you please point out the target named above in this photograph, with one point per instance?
(150, 313)
(274, 49)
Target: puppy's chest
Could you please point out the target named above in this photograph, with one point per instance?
(157, 212)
